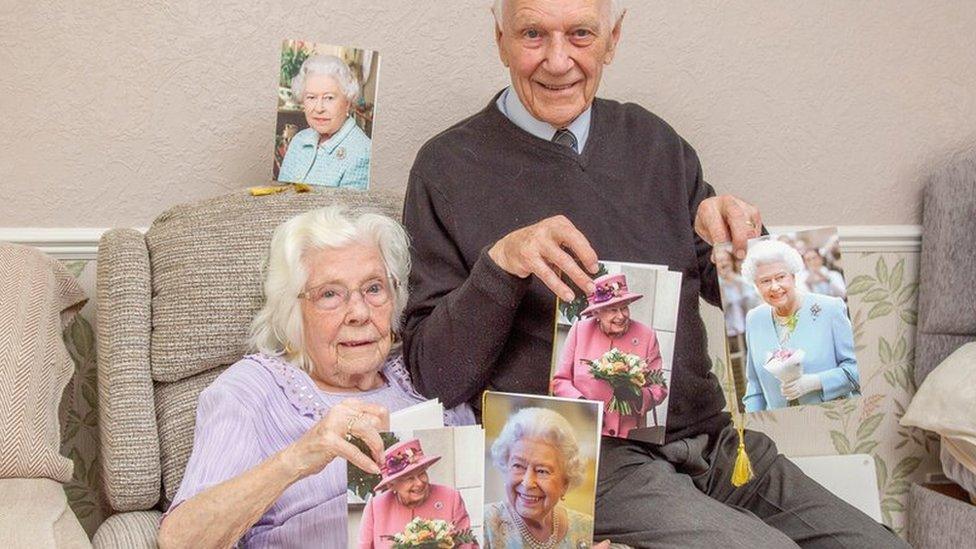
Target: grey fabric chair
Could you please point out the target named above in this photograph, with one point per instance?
(946, 321)
(174, 306)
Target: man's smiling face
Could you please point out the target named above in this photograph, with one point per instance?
(555, 51)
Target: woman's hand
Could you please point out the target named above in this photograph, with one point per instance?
(331, 438)
(806, 383)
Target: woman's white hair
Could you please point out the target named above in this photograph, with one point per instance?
(325, 65)
(770, 251)
(546, 425)
(498, 10)
(278, 325)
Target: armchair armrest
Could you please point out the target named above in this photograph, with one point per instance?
(127, 419)
(132, 530)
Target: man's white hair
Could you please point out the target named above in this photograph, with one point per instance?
(325, 65)
(278, 325)
(546, 425)
(615, 11)
(770, 251)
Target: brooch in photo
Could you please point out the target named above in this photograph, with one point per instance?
(341, 153)
(438, 505)
(815, 310)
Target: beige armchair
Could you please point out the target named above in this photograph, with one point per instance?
(174, 307)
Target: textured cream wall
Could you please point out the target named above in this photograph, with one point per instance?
(821, 112)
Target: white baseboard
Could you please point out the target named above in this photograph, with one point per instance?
(82, 242)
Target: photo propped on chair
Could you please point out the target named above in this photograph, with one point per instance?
(788, 330)
(326, 101)
(616, 346)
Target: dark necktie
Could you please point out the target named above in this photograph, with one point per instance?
(565, 138)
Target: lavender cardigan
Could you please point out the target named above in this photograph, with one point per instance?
(257, 407)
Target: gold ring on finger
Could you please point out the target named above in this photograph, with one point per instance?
(751, 223)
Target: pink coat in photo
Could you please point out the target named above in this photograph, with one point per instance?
(572, 378)
(384, 516)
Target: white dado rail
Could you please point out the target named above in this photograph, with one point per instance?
(82, 243)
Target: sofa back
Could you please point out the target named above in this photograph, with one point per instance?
(947, 277)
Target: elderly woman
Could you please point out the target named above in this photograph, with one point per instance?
(274, 431)
(408, 494)
(332, 151)
(538, 455)
(810, 332)
(609, 326)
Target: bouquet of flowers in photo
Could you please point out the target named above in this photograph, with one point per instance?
(786, 365)
(628, 374)
(430, 534)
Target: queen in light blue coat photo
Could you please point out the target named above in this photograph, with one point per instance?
(808, 329)
(333, 151)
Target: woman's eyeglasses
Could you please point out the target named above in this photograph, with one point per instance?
(329, 297)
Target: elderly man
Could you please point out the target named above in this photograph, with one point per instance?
(546, 178)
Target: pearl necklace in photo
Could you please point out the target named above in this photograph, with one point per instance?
(527, 536)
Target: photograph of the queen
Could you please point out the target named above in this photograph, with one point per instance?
(405, 494)
(326, 100)
(799, 345)
(541, 490)
(613, 353)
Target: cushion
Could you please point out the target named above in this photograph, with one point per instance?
(36, 514)
(38, 298)
(206, 269)
(946, 404)
(962, 474)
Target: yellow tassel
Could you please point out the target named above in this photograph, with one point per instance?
(742, 471)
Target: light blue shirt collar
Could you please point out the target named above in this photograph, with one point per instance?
(513, 109)
(332, 142)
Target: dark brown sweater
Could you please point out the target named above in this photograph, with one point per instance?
(634, 191)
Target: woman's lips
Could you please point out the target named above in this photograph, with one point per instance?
(355, 343)
(531, 500)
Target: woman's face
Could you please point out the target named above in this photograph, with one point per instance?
(325, 104)
(534, 478)
(412, 490)
(776, 284)
(812, 260)
(613, 321)
(347, 340)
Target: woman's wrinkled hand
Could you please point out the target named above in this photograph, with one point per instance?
(331, 438)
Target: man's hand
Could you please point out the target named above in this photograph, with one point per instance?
(545, 249)
(728, 219)
(807, 383)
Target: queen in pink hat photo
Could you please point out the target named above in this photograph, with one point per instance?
(610, 357)
(408, 507)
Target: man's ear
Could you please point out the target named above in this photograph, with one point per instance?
(614, 38)
(502, 54)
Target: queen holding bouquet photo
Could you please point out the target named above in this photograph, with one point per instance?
(612, 358)
(800, 345)
(411, 511)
